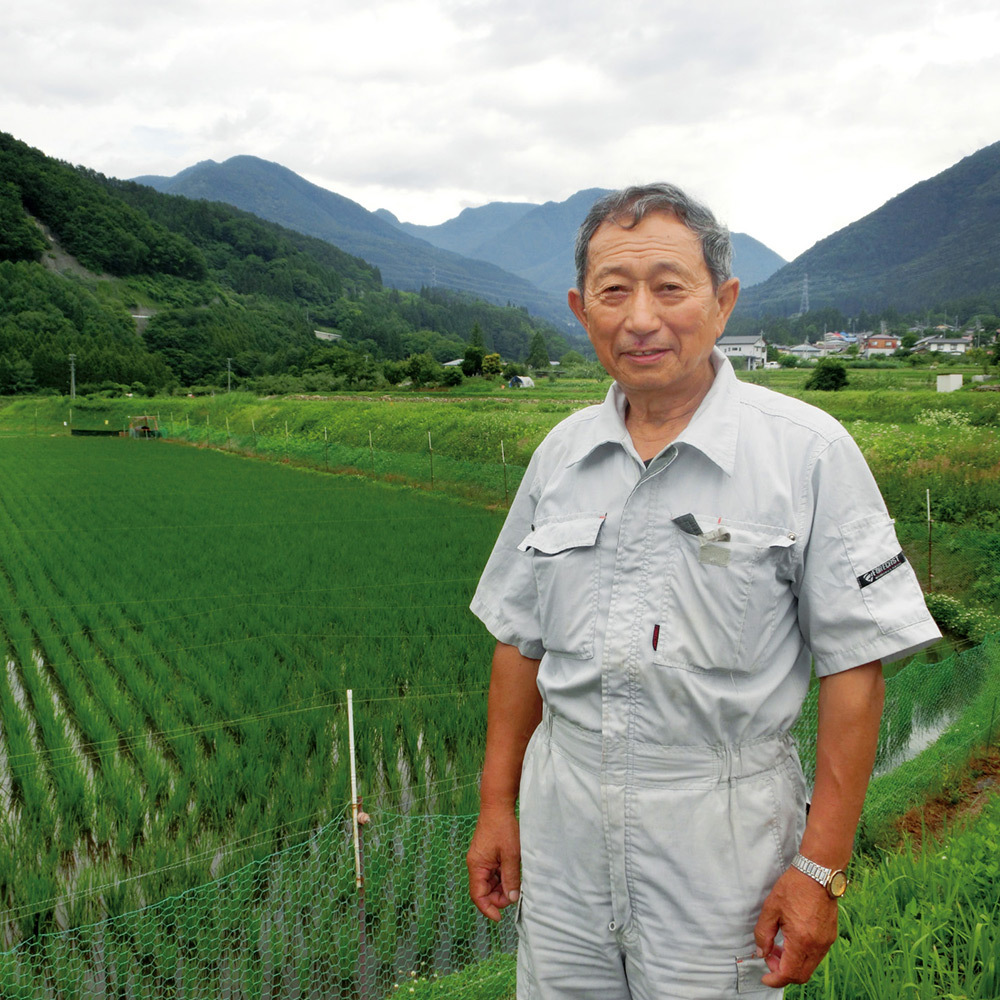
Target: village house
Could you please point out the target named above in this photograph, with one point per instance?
(745, 351)
(805, 352)
(874, 344)
(942, 345)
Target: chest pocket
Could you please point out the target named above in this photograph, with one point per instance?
(564, 558)
(729, 581)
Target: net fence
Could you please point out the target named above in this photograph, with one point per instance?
(299, 925)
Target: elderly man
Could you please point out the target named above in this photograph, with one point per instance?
(674, 561)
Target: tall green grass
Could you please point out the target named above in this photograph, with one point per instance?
(178, 629)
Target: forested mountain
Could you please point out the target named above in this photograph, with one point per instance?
(937, 242)
(536, 241)
(157, 290)
(273, 192)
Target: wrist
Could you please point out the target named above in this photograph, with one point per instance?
(833, 880)
(497, 802)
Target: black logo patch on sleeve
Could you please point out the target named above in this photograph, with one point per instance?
(866, 579)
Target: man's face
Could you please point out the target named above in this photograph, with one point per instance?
(649, 307)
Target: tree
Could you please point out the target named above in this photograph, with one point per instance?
(394, 371)
(452, 375)
(422, 368)
(476, 337)
(492, 366)
(16, 375)
(19, 238)
(538, 353)
(472, 363)
(978, 356)
(829, 376)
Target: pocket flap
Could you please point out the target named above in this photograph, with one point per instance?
(574, 532)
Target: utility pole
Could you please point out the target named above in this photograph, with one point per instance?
(229, 374)
(72, 376)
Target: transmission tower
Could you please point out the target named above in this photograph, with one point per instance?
(804, 304)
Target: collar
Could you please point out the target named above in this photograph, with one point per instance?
(713, 430)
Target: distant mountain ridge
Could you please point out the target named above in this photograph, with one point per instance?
(537, 241)
(936, 242)
(503, 251)
(275, 193)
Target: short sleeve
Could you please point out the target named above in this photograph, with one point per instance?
(858, 597)
(506, 600)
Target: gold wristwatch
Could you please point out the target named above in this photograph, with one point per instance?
(834, 880)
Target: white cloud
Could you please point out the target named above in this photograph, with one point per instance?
(792, 120)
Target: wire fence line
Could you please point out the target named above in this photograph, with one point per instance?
(295, 925)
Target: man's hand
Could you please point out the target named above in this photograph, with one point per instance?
(494, 862)
(850, 706)
(805, 914)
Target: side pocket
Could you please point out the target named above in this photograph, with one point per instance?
(564, 559)
(749, 971)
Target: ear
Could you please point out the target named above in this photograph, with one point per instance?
(575, 300)
(725, 297)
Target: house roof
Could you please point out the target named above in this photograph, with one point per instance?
(740, 338)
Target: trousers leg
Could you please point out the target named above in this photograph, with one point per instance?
(566, 949)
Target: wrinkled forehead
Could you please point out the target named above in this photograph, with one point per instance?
(659, 240)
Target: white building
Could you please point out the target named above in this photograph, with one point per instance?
(745, 351)
(943, 345)
(804, 352)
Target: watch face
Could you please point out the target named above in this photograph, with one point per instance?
(838, 884)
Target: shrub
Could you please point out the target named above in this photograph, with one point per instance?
(829, 376)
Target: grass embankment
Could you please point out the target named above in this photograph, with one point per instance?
(964, 688)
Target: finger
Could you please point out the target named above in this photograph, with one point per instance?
(489, 903)
(791, 968)
(485, 892)
(764, 934)
(773, 958)
(510, 876)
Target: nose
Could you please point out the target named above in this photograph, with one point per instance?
(642, 315)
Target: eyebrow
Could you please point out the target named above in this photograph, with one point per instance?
(655, 270)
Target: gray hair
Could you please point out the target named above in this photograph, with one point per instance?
(629, 206)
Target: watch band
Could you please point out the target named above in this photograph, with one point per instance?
(834, 880)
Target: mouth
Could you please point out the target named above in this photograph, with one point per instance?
(647, 356)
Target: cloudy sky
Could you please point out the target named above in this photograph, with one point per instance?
(791, 118)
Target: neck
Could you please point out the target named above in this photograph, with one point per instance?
(655, 419)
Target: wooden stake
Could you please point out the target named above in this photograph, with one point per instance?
(930, 575)
(503, 459)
